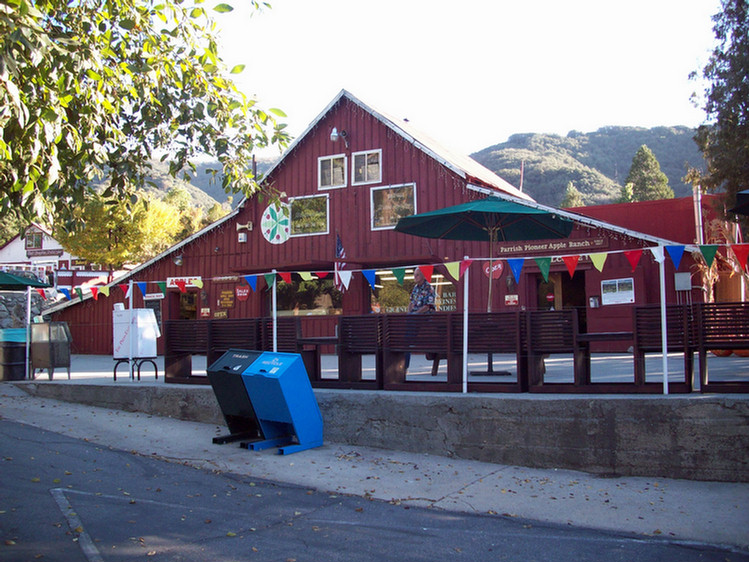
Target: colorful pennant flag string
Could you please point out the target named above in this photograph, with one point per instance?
(598, 260)
(516, 265)
(544, 264)
(370, 275)
(633, 257)
(675, 253)
(571, 263)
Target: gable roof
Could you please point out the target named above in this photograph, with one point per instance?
(462, 165)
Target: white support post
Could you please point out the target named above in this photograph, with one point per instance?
(465, 330)
(274, 312)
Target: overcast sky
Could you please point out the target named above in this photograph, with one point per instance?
(470, 73)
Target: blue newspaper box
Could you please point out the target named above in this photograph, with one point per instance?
(284, 403)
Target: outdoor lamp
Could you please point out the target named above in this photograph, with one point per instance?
(335, 135)
(177, 260)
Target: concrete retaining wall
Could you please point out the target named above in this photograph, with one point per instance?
(696, 437)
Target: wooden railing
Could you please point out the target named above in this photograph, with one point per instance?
(531, 336)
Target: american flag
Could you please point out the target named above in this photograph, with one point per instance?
(340, 255)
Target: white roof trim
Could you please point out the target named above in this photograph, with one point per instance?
(461, 165)
(169, 251)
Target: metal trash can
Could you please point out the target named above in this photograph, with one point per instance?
(13, 354)
(225, 376)
(50, 346)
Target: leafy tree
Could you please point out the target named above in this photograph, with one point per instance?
(94, 88)
(572, 197)
(627, 194)
(648, 182)
(724, 138)
(117, 234)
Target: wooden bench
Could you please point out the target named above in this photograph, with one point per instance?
(182, 340)
(647, 338)
(418, 333)
(359, 336)
(494, 332)
(552, 332)
(721, 326)
(235, 333)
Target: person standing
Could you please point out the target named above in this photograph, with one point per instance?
(422, 300)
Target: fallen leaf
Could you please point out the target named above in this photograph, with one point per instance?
(231, 534)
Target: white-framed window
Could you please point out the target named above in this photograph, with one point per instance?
(331, 171)
(367, 167)
(618, 291)
(309, 215)
(390, 203)
(33, 240)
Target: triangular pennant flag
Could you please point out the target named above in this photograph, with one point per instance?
(95, 293)
(345, 277)
(453, 268)
(65, 292)
(270, 278)
(465, 264)
(369, 275)
(741, 251)
(181, 285)
(658, 254)
(162, 286)
(322, 274)
(79, 292)
(427, 271)
(197, 283)
(142, 287)
(305, 275)
(708, 252)
(675, 253)
(125, 289)
(544, 264)
(286, 276)
(633, 256)
(516, 266)
(251, 281)
(104, 291)
(42, 293)
(571, 263)
(399, 274)
(598, 260)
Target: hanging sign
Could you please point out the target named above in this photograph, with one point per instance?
(276, 224)
(153, 296)
(242, 292)
(226, 299)
(497, 268)
(194, 282)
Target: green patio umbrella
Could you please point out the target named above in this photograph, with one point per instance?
(12, 282)
(491, 219)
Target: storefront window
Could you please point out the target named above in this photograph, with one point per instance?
(390, 295)
(308, 298)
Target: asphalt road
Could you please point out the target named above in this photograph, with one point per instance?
(66, 499)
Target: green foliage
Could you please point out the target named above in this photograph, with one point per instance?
(595, 162)
(724, 139)
(572, 197)
(94, 89)
(648, 182)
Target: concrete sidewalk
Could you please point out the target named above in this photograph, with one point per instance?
(693, 512)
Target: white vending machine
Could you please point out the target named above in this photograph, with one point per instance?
(135, 333)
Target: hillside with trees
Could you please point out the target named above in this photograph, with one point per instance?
(597, 163)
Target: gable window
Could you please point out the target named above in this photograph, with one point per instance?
(367, 167)
(309, 215)
(331, 171)
(392, 203)
(33, 240)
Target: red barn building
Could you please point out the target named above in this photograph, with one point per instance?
(345, 182)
